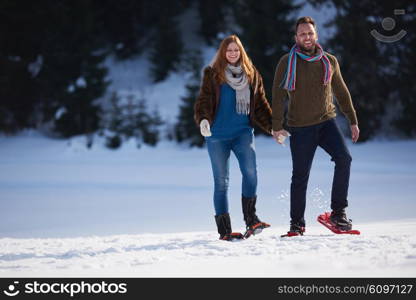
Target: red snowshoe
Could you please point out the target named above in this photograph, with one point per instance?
(325, 219)
(232, 236)
(295, 230)
(255, 229)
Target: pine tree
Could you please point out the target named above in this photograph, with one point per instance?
(148, 125)
(110, 122)
(166, 42)
(213, 16)
(81, 112)
(185, 129)
(127, 117)
(50, 62)
(131, 36)
(22, 26)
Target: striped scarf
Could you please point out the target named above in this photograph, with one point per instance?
(289, 80)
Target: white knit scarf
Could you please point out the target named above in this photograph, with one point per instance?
(238, 80)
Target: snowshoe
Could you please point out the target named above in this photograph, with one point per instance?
(255, 229)
(337, 224)
(232, 236)
(295, 230)
(253, 224)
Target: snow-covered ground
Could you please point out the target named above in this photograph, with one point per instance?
(69, 211)
(383, 250)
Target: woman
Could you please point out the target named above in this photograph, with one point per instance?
(230, 102)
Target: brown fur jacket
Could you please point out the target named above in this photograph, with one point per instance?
(207, 102)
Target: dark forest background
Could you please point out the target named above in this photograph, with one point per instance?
(52, 75)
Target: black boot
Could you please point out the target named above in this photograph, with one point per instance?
(340, 220)
(296, 228)
(224, 228)
(253, 223)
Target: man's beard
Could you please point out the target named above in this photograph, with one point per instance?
(311, 50)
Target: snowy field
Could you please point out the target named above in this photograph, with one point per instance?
(69, 211)
(383, 250)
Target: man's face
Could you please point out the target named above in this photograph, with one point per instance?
(306, 37)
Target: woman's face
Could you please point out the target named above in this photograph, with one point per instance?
(232, 53)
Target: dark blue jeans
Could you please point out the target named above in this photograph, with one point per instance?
(303, 144)
(219, 152)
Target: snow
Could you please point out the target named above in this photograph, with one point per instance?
(69, 211)
(81, 82)
(383, 250)
(35, 67)
(132, 77)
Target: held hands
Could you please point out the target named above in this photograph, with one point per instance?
(280, 136)
(205, 128)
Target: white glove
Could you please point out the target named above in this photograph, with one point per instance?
(205, 128)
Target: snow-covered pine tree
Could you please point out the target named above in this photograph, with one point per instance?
(146, 125)
(128, 117)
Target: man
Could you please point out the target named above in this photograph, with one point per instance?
(311, 78)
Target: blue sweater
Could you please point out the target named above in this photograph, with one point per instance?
(227, 122)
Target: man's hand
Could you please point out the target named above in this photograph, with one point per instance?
(280, 136)
(205, 128)
(355, 133)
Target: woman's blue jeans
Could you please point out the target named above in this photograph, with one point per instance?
(219, 151)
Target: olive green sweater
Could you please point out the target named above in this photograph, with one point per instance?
(311, 102)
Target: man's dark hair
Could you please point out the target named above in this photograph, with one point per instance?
(304, 20)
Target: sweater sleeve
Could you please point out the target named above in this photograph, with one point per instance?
(342, 94)
(203, 104)
(279, 94)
